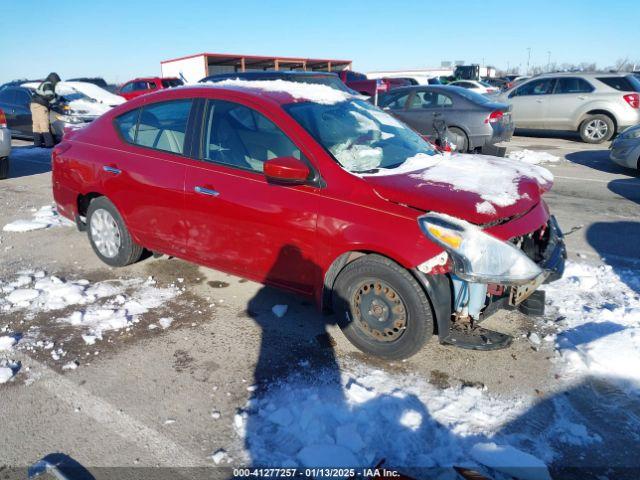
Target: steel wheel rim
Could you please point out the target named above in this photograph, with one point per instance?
(596, 129)
(379, 310)
(105, 233)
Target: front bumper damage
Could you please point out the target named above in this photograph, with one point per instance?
(453, 298)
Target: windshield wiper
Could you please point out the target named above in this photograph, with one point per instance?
(372, 170)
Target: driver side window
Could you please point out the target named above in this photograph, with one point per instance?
(543, 86)
(241, 137)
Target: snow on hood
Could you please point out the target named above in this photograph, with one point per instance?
(90, 90)
(322, 94)
(497, 187)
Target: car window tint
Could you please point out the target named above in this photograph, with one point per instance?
(22, 98)
(444, 100)
(126, 125)
(127, 88)
(163, 126)
(354, 77)
(423, 100)
(241, 137)
(573, 85)
(542, 86)
(173, 82)
(139, 86)
(398, 102)
(7, 95)
(619, 83)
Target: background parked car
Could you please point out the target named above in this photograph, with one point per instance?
(14, 102)
(625, 149)
(322, 78)
(594, 104)
(5, 146)
(473, 120)
(139, 86)
(97, 81)
(513, 80)
(361, 84)
(475, 86)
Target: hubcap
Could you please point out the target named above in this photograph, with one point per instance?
(379, 310)
(105, 233)
(596, 129)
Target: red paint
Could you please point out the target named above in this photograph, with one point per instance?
(154, 83)
(286, 169)
(286, 235)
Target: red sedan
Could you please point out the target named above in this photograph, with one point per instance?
(139, 86)
(318, 192)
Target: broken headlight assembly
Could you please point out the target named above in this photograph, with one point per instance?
(477, 256)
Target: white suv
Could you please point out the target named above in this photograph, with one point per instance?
(597, 105)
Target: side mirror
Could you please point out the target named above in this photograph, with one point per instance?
(288, 170)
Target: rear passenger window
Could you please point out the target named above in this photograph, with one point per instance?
(126, 125)
(444, 100)
(239, 136)
(573, 85)
(619, 83)
(163, 126)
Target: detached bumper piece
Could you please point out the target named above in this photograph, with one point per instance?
(476, 338)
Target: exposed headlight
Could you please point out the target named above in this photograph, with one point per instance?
(631, 133)
(477, 256)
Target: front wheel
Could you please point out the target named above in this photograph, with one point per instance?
(381, 308)
(596, 129)
(109, 236)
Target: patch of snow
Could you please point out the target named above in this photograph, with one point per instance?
(317, 93)
(6, 374)
(509, 460)
(495, 180)
(46, 217)
(70, 366)
(533, 157)
(280, 310)
(219, 456)
(485, 207)
(165, 322)
(600, 328)
(6, 343)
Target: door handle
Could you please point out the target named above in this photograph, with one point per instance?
(114, 170)
(207, 191)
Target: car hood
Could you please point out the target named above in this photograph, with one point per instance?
(477, 188)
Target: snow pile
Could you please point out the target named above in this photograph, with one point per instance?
(45, 217)
(317, 93)
(507, 459)
(367, 415)
(598, 311)
(108, 305)
(90, 90)
(494, 179)
(533, 157)
(6, 343)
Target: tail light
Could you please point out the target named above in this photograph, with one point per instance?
(495, 117)
(633, 99)
(3, 119)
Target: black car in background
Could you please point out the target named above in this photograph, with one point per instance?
(323, 78)
(14, 102)
(474, 121)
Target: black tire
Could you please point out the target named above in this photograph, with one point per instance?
(4, 168)
(459, 138)
(127, 251)
(379, 278)
(596, 128)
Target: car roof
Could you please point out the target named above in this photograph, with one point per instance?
(266, 74)
(583, 74)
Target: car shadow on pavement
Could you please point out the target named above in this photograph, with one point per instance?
(27, 161)
(628, 188)
(596, 160)
(306, 411)
(563, 135)
(617, 243)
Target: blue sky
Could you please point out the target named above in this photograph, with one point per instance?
(120, 39)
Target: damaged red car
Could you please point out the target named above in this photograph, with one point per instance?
(320, 193)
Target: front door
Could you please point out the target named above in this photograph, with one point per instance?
(569, 96)
(530, 102)
(236, 220)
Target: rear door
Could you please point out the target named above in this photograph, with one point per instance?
(569, 95)
(236, 220)
(530, 102)
(145, 179)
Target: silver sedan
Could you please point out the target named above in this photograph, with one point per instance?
(625, 149)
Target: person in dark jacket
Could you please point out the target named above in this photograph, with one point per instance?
(41, 101)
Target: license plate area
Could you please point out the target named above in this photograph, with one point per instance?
(520, 293)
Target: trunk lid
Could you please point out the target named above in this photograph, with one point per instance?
(475, 188)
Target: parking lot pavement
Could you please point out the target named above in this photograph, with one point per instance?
(146, 395)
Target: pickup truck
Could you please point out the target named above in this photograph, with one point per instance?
(371, 87)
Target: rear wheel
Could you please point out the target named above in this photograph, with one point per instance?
(4, 168)
(381, 308)
(109, 236)
(596, 129)
(459, 139)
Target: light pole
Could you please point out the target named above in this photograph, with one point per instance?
(528, 58)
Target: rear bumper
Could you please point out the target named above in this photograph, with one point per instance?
(496, 133)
